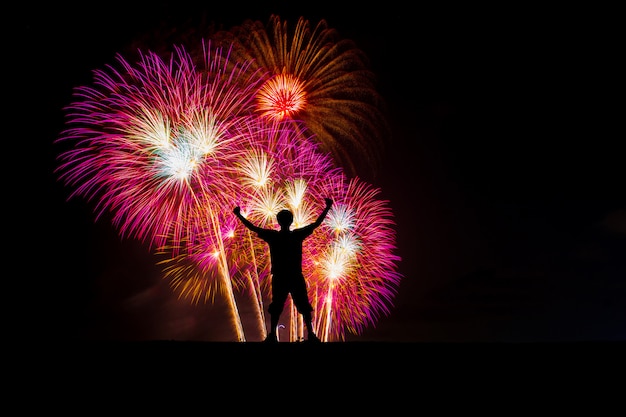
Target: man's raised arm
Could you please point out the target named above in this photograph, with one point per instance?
(323, 214)
(246, 222)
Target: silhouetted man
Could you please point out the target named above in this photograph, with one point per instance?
(286, 267)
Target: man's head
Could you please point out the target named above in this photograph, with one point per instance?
(284, 218)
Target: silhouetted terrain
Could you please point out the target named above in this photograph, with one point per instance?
(350, 359)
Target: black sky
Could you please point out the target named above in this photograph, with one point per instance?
(505, 173)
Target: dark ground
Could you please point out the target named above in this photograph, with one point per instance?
(351, 359)
(185, 378)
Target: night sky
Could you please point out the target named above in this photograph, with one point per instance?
(505, 173)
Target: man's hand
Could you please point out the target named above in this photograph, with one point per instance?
(237, 210)
(329, 202)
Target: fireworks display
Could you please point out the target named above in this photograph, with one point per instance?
(267, 119)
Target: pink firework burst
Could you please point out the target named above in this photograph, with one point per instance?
(150, 139)
(352, 265)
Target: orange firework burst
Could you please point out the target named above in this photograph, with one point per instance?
(315, 76)
(282, 96)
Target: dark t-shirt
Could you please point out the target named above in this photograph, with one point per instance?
(286, 249)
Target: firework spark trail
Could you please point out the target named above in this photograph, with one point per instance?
(314, 75)
(227, 281)
(253, 283)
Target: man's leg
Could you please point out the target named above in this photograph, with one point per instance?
(271, 335)
(308, 321)
(279, 297)
(301, 300)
